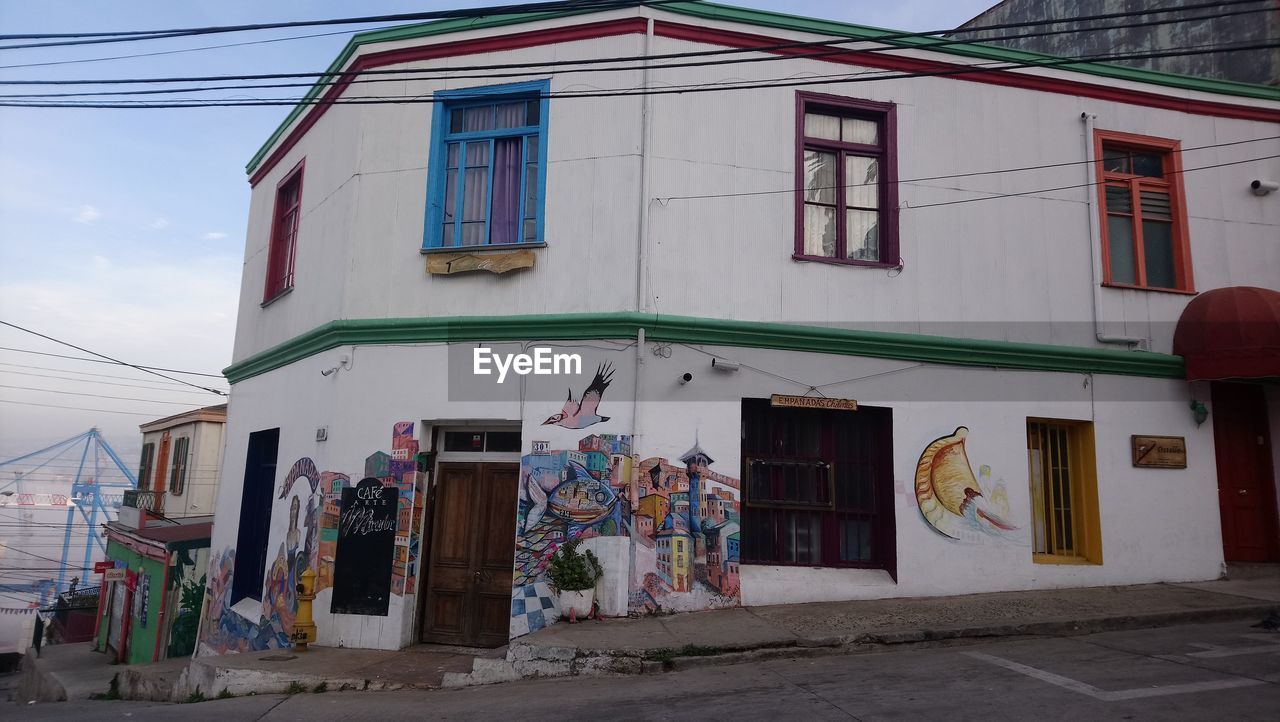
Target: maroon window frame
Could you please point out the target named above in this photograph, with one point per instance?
(885, 150)
(284, 235)
(817, 487)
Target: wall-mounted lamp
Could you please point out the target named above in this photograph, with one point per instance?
(1262, 187)
(1199, 411)
(685, 378)
(720, 364)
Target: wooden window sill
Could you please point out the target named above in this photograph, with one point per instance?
(276, 297)
(1058, 559)
(1153, 289)
(485, 248)
(844, 261)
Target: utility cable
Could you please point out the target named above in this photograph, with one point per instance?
(77, 408)
(96, 396)
(124, 363)
(100, 361)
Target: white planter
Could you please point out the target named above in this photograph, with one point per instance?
(578, 601)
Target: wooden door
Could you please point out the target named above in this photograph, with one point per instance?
(472, 553)
(1246, 483)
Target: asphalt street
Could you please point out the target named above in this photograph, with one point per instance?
(1212, 671)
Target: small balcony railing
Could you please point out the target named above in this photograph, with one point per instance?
(144, 499)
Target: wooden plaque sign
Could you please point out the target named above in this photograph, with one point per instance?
(366, 549)
(812, 402)
(1159, 452)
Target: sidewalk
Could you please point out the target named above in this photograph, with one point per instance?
(655, 644)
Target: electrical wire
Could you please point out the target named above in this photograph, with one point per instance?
(180, 382)
(124, 363)
(638, 91)
(542, 65)
(134, 35)
(152, 384)
(96, 396)
(455, 73)
(76, 408)
(94, 381)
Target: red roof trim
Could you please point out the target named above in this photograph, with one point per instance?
(627, 26)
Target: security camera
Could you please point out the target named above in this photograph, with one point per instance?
(1262, 187)
(722, 365)
(685, 378)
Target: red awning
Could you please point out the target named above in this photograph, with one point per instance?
(1230, 333)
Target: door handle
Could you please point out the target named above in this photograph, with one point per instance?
(1242, 492)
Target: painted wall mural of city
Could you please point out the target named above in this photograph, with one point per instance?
(682, 518)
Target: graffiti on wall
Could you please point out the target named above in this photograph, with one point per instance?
(952, 501)
(314, 508)
(687, 531)
(583, 412)
(565, 494)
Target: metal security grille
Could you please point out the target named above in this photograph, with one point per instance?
(817, 486)
(1051, 451)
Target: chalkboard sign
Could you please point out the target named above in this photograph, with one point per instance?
(366, 548)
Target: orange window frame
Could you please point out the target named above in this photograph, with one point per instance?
(1171, 155)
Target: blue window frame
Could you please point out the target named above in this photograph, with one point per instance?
(488, 166)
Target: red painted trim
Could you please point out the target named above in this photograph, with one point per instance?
(494, 43)
(680, 31)
(888, 61)
(164, 597)
(269, 293)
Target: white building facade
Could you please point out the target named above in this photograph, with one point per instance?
(990, 264)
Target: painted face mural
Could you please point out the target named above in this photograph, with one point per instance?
(952, 500)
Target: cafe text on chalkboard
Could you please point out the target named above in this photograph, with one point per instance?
(366, 549)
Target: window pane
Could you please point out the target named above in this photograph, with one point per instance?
(450, 194)
(820, 177)
(855, 540)
(819, 231)
(455, 121)
(473, 233)
(474, 119)
(530, 231)
(530, 190)
(446, 234)
(475, 206)
(1119, 200)
(862, 235)
(502, 441)
(861, 181)
(511, 115)
(477, 154)
(1115, 161)
(1120, 246)
(464, 441)
(1148, 164)
(451, 159)
(531, 148)
(857, 130)
(534, 107)
(821, 126)
(1157, 248)
(505, 215)
(1155, 204)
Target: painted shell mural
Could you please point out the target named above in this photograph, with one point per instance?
(949, 495)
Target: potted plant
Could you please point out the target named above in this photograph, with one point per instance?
(574, 576)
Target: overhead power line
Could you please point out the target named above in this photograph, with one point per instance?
(118, 363)
(885, 37)
(98, 382)
(115, 360)
(97, 396)
(456, 73)
(76, 408)
(133, 35)
(152, 384)
(718, 86)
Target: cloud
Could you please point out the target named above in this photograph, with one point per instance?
(87, 214)
(159, 224)
(213, 236)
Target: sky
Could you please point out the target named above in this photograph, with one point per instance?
(122, 231)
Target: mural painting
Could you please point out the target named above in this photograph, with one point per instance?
(310, 542)
(952, 501)
(687, 533)
(187, 580)
(565, 495)
(583, 412)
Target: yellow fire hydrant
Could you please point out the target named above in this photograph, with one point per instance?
(304, 628)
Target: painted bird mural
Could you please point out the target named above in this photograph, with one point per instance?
(949, 496)
(582, 413)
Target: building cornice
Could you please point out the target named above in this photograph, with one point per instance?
(921, 348)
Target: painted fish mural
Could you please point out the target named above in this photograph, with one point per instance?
(950, 498)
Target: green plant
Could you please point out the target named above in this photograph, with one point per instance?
(225, 694)
(570, 571)
(196, 696)
(295, 687)
(321, 688)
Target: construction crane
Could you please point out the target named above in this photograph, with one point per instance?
(98, 487)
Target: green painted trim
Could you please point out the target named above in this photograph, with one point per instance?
(714, 332)
(784, 21)
(764, 18)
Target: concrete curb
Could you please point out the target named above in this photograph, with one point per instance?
(595, 662)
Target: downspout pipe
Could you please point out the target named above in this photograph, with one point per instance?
(1095, 242)
(642, 225)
